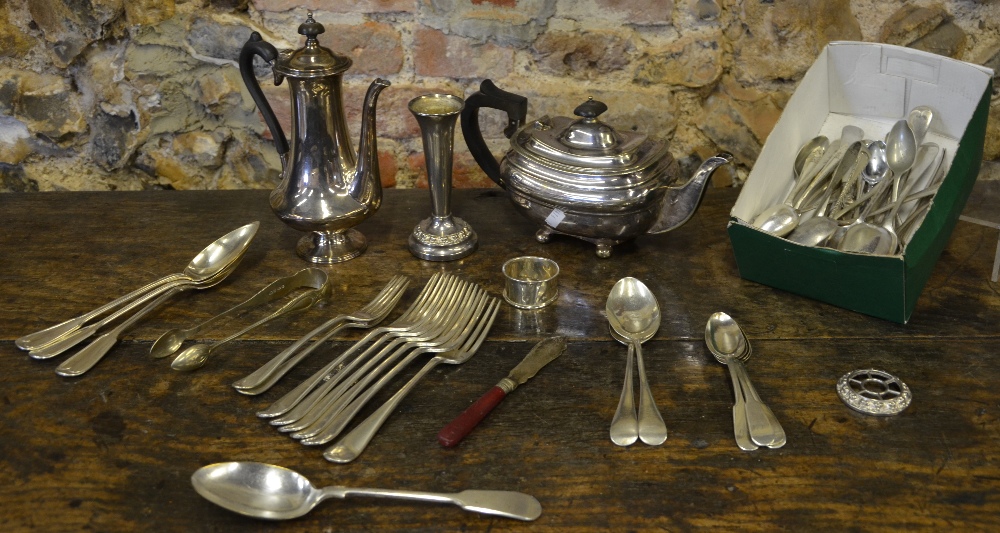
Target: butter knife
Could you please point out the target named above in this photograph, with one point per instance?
(542, 354)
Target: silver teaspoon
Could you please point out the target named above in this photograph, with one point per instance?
(730, 347)
(267, 491)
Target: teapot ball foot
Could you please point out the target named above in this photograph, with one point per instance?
(543, 235)
(328, 247)
(604, 251)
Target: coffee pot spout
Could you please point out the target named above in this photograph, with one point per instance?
(366, 187)
(680, 203)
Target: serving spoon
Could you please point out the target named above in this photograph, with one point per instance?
(635, 316)
(272, 492)
(211, 261)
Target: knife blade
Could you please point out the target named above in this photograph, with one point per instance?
(542, 354)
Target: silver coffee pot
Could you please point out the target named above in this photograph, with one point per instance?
(325, 188)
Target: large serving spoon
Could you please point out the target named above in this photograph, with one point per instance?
(271, 492)
(635, 316)
(730, 346)
(212, 260)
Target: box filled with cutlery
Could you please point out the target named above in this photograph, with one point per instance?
(860, 183)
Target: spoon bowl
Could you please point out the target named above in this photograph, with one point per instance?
(632, 310)
(901, 147)
(271, 492)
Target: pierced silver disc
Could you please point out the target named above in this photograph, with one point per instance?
(874, 392)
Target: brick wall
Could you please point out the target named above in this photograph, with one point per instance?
(133, 94)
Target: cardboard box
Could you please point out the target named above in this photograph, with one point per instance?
(870, 86)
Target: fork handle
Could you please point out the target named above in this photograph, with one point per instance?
(355, 442)
(264, 377)
(464, 423)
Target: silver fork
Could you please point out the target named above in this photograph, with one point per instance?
(450, 294)
(293, 397)
(355, 442)
(452, 341)
(324, 415)
(374, 312)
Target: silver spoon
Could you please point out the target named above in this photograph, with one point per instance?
(634, 314)
(271, 492)
(819, 228)
(876, 173)
(195, 357)
(781, 218)
(920, 118)
(170, 341)
(726, 341)
(901, 152)
(208, 263)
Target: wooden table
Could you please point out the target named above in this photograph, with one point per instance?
(114, 449)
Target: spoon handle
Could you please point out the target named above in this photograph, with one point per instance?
(76, 336)
(91, 354)
(46, 336)
(740, 428)
(491, 502)
(763, 425)
(652, 430)
(625, 424)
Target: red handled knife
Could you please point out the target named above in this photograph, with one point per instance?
(542, 354)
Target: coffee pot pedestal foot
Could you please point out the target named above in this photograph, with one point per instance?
(327, 248)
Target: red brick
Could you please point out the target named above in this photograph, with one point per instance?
(358, 6)
(375, 48)
(465, 173)
(450, 56)
(639, 12)
(387, 168)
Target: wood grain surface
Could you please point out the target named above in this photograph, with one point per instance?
(114, 450)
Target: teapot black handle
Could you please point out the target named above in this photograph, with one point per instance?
(489, 95)
(258, 46)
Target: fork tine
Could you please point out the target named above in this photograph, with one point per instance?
(314, 404)
(328, 423)
(291, 399)
(288, 358)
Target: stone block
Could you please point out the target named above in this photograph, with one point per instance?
(375, 48)
(45, 103)
(69, 26)
(514, 26)
(582, 55)
(112, 139)
(911, 22)
(437, 54)
(209, 38)
(633, 12)
(14, 179)
(780, 40)
(148, 12)
(694, 61)
(16, 43)
(360, 6)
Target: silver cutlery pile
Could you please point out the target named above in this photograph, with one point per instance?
(857, 195)
(207, 269)
(754, 424)
(450, 318)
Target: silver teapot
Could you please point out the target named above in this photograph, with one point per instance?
(325, 189)
(581, 177)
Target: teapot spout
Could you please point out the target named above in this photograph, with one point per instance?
(680, 202)
(366, 187)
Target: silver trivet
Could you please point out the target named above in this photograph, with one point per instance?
(874, 392)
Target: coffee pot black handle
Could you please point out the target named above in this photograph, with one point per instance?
(489, 95)
(258, 46)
